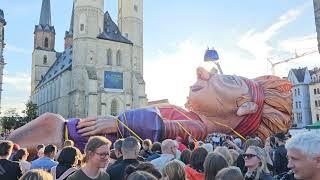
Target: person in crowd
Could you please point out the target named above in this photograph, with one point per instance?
(97, 152)
(280, 160)
(195, 171)
(141, 175)
(36, 174)
(169, 149)
(47, 161)
(35, 155)
(213, 163)
(68, 143)
(226, 154)
(146, 148)
(240, 161)
(112, 158)
(21, 156)
(117, 145)
(15, 148)
(130, 150)
(208, 147)
(234, 154)
(156, 151)
(174, 170)
(146, 167)
(8, 169)
(229, 173)
(255, 161)
(304, 155)
(181, 146)
(68, 161)
(191, 143)
(186, 156)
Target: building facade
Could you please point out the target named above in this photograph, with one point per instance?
(314, 91)
(2, 44)
(100, 71)
(301, 113)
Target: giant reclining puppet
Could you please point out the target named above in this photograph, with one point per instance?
(217, 103)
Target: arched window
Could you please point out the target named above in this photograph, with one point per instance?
(46, 42)
(114, 107)
(118, 58)
(45, 59)
(109, 57)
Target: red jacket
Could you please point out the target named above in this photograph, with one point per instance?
(193, 174)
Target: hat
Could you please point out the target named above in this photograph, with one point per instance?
(281, 136)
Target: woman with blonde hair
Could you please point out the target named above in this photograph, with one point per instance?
(174, 170)
(36, 174)
(255, 161)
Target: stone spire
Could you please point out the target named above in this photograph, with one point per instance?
(68, 38)
(45, 16)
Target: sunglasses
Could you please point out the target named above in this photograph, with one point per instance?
(249, 156)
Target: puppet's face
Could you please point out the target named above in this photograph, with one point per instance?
(217, 95)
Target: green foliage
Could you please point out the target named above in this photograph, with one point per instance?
(12, 120)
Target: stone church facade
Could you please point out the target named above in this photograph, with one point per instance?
(100, 71)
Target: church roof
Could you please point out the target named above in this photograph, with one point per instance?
(2, 17)
(111, 31)
(62, 63)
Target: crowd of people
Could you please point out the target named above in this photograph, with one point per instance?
(219, 157)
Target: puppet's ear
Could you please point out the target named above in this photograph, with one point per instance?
(247, 108)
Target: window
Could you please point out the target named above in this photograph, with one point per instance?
(81, 27)
(295, 92)
(109, 57)
(297, 105)
(314, 91)
(298, 92)
(135, 7)
(118, 58)
(114, 107)
(318, 118)
(46, 42)
(45, 59)
(316, 103)
(318, 90)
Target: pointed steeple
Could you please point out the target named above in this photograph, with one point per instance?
(45, 16)
(72, 20)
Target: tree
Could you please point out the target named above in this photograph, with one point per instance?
(10, 118)
(30, 114)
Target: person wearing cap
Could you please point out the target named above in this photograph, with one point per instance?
(280, 160)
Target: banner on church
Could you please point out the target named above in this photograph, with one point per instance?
(113, 80)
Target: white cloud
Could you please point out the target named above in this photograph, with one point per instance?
(14, 49)
(257, 43)
(20, 81)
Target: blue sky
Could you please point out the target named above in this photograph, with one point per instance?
(176, 33)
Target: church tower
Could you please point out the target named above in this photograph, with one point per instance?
(44, 54)
(88, 24)
(68, 38)
(130, 22)
(2, 44)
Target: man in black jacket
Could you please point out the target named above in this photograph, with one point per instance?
(130, 151)
(8, 169)
(280, 160)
